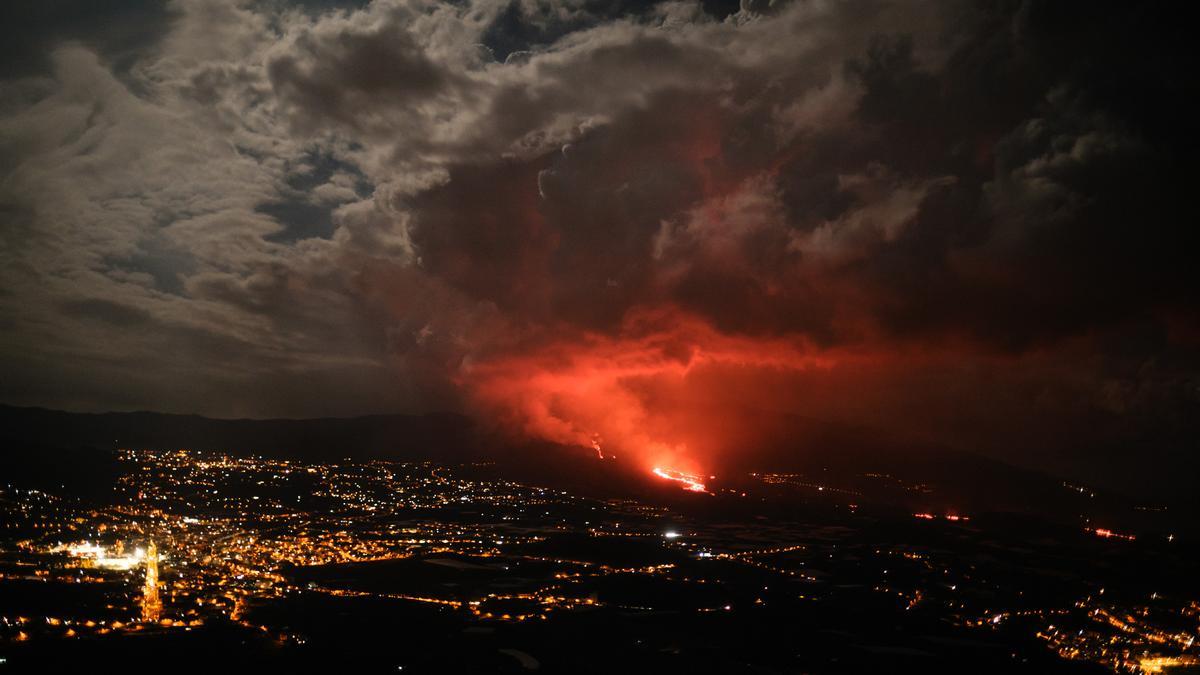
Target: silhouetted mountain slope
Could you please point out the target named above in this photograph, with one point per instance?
(443, 436)
(51, 448)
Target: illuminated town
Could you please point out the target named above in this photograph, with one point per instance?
(193, 541)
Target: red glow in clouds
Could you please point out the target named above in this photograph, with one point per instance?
(654, 393)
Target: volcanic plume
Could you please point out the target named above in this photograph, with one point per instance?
(649, 392)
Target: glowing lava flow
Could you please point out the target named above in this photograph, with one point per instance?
(688, 480)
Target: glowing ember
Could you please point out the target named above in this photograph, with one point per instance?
(689, 481)
(1109, 534)
(951, 517)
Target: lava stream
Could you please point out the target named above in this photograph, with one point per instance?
(689, 481)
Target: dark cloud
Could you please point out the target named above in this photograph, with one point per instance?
(109, 312)
(166, 265)
(346, 73)
(122, 31)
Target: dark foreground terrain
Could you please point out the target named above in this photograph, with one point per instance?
(195, 560)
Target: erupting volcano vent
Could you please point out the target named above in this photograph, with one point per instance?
(663, 393)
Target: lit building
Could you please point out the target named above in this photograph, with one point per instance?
(151, 603)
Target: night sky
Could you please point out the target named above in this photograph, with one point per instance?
(676, 230)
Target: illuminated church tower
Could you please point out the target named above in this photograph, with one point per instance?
(151, 604)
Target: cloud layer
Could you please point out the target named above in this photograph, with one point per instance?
(961, 223)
